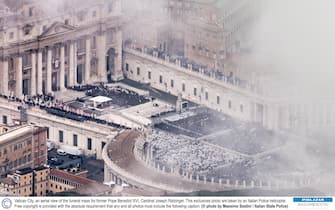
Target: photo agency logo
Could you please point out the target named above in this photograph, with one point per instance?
(6, 203)
(313, 202)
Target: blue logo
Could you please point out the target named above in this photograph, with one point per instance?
(313, 200)
(6, 203)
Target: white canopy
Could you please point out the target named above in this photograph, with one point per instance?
(100, 99)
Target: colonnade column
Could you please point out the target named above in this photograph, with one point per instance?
(4, 76)
(265, 115)
(273, 116)
(39, 72)
(253, 111)
(118, 74)
(276, 117)
(33, 74)
(310, 116)
(88, 61)
(49, 71)
(101, 52)
(18, 78)
(71, 64)
(62, 68)
(287, 117)
(75, 80)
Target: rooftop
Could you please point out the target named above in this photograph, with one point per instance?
(71, 177)
(24, 171)
(21, 131)
(100, 99)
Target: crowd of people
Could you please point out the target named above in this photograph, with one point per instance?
(120, 96)
(192, 156)
(248, 138)
(61, 109)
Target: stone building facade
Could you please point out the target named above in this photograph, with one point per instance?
(22, 147)
(42, 53)
(212, 33)
(42, 181)
(26, 182)
(91, 137)
(275, 111)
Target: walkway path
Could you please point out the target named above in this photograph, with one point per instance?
(120, 151)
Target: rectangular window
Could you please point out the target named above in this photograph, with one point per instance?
(138, 71)
(229, 104)
(89, 144)
(66, 21)
(149, 74)
(217, 99)
(30, 11)
(61, 136)
(183, 87)
(4, 120)
(26, 32)
(48, 136)
(11, 35)
(127, 67)
(241, 108)
(160, 79)
(195, 91)
(75, 140)
(206, 95)
(172, 83)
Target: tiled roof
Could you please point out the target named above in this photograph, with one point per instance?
(70, 177)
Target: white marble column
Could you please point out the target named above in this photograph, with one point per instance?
(88, 61)
(1, 76)
(251, 111)
(39, 72)
(265, 113)
(62, 68)
(101, 52)
(117, 74)
(4, 77)
(310, 116)
(18, 78)
(287, 117)
(254, 111)
(33, 74)
(49, 71)
(75, 61)
(270, 116)
(71, 64)
(275, 117)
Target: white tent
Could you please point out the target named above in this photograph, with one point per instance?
(100, 100)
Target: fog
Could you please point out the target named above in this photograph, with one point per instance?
(293, 47)
(294, 44)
